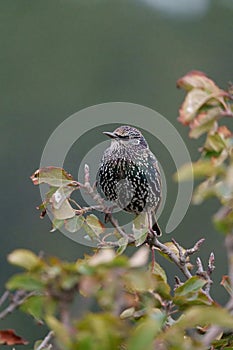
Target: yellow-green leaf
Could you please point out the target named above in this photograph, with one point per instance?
(60, 331)
(24, 258)
(64, 212)
(74, 224)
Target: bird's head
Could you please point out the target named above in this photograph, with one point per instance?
(127, 135)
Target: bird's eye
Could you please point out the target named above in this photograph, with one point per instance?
(125, 137)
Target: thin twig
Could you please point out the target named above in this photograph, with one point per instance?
(183, 267)
(4, 297)
(214, 331)
(117, 227)
(200, 270)
(17, 300)
(46, 341)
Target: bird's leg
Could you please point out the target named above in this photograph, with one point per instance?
(153, 227)
(108, 213)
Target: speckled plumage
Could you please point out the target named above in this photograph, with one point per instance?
(129, 174)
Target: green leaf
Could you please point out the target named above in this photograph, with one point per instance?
(61, 332)
(140, 281)
(202, 168)
(52, 176)
(191, 299)
(223, 224)
(57, 224)
(162, 288)
(140, 228)
(93, 226)
(202, 315)
(24, 258)
(74, 224)
(25, 282)
(122, 242)
(34, 306)
(144, 334)
(227, 285)
(158, 270)
(68, 282)
(193, 284)
(101, 331)
(214, 143)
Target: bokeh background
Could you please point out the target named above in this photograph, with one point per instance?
(58, 57)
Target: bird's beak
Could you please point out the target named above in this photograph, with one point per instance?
(110, 134)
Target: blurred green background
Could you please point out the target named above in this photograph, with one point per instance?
(58, 57)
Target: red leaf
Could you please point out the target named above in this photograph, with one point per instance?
(8, 337)
(224, 131)
(197, 80)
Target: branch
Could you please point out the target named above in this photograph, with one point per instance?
(18, 299)
(46, 341)
(214, 331)
(153, 241)
(4, 297)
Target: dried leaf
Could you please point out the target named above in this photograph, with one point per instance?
(52, 176)
(8, 337)
(224, 131)
(194, 100)
(204, 122)
(198, 80)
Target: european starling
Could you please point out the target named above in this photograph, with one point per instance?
(129, 174)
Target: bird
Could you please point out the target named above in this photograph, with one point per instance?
(129, 174)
